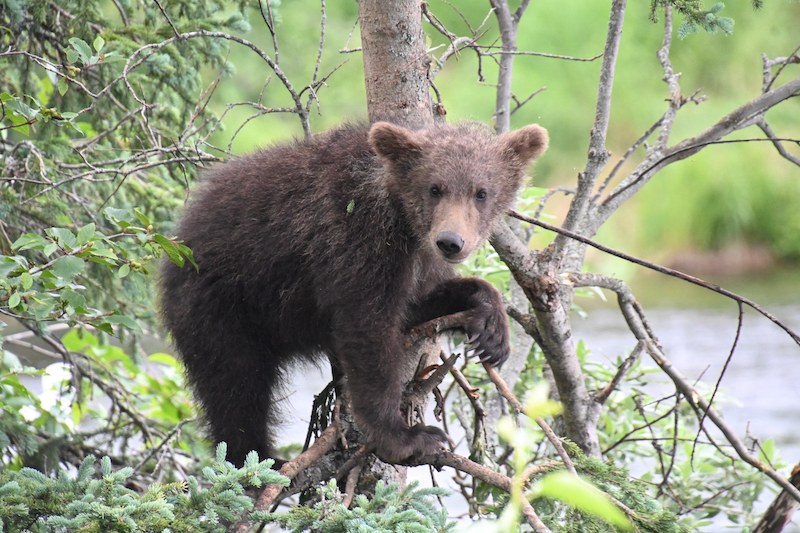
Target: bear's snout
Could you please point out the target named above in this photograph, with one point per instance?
(450, 243)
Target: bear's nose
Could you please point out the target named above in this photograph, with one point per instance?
(449, 243)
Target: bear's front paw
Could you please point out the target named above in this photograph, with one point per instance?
(487, 334)
(413, 443)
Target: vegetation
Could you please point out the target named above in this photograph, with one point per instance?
(109, 110)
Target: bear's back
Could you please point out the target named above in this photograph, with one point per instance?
(279, 234)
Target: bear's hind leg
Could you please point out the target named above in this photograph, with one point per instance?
(238, 402)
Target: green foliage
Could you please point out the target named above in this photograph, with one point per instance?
(53, 290)
(95, 167)
(83, 501)
(646, 513)
(603, 498)
(695, 18)
(392, 509)
(148, 398)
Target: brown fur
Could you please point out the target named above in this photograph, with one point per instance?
(335, 245)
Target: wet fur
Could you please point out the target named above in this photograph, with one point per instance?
(327, 247)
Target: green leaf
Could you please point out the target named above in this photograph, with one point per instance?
(121, 217)
(187, 252)
(142, 217)
(62, 86)
(124, 270)
(104, 327)
(126, 321)
(98, 44)
(64, 237)
(170, 248)
(26, 280)
(164, 359)
(72, 55)
(82, 48)
(75, 299)
(573, 491)
(85, 234)
(23, 109)
(112, 57)
(67, 267)
(50, 249)
(14, 300)
(30, 240)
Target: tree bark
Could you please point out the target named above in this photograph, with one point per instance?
(395, 63)
(396, 67)
(781, 509)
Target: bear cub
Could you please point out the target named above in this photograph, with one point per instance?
(336, 246)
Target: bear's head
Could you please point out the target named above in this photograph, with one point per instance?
(454, 182)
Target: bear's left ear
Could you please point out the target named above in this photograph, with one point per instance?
(396, 144)
(527, 143)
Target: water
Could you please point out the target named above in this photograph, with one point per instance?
(761, 375)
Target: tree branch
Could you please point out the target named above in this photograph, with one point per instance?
(598, 154)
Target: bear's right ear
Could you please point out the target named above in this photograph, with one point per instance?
(396, 144)
(527, 143)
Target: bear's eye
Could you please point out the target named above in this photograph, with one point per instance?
(435, 191)
(481, 195)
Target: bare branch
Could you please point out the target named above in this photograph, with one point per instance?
(625, 298)
(269, 21)
(169, 20)
(626, 365)
(598, 154)
(762, 123)
(722, 373)
(538, 54)
(744, 116)
(783, 62)
(515, 403)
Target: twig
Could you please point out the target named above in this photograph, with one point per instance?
(603, 395)
(678, 154)
(350, 486)
(503, 389)
(744, 115)
(625, 158)
(762, 123)
(169, 20)
(793, 58)
(528, 99)
(473, 397)
(722, 373)
(548, 195)
(539, 54)
(647, 425)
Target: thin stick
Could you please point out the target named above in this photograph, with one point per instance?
(548, 431)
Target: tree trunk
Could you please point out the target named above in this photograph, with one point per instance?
(395, 63)
(398, 91)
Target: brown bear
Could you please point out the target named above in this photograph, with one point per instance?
(337, 245)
